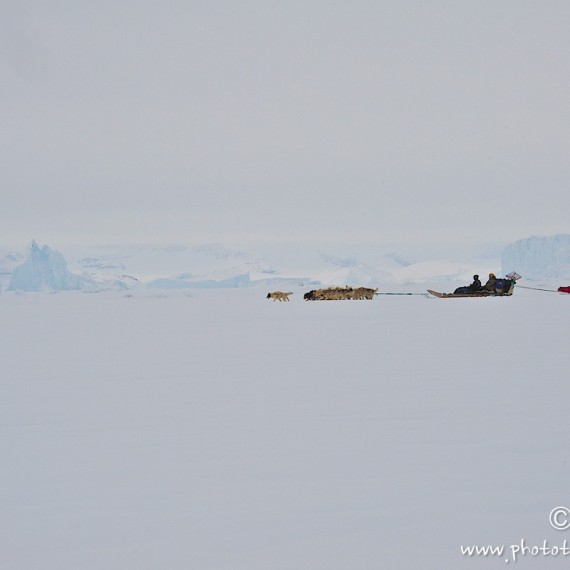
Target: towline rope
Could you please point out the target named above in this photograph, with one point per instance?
(422, 294)
(537, 289)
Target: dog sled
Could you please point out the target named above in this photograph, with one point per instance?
(504, 287)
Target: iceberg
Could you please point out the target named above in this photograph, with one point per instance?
(45, 270)
(539, 257)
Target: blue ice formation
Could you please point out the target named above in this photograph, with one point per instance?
(538, 257)
(45, 270)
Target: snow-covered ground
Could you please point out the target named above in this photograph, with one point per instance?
(217, 430)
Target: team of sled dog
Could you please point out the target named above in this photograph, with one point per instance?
(330, 294)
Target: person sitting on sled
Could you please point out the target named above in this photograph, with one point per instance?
(476, 286)
(472, 289)
(490, 285)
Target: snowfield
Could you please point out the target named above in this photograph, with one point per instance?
(218, 430)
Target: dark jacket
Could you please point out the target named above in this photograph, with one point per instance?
(476, 285)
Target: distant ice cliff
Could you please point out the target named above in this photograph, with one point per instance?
(538, 257)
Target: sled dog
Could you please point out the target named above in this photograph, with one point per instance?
(278, 296)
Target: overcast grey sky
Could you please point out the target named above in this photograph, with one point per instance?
(191, 121)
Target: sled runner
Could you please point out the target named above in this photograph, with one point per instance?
(456, 295)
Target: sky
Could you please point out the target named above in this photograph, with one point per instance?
(189, 121)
